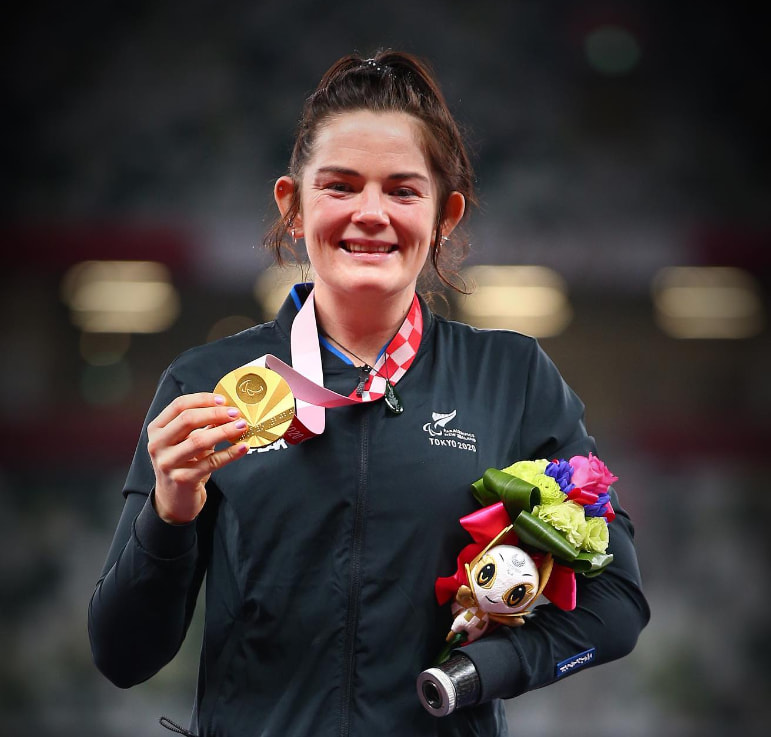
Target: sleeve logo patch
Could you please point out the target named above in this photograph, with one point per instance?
(574, 663)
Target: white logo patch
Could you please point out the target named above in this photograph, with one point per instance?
(442, 436)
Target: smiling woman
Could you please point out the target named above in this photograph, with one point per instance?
(393, 83)
(368, 214)
(321, 548)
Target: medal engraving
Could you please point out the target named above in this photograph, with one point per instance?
(251, 389)
(265, 400)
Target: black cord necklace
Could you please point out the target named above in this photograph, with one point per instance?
(392, 399)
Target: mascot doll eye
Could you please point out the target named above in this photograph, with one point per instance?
(486, 574)
(514, 597)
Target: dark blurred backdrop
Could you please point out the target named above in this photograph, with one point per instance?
(611, 140)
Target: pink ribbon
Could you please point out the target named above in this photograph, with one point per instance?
(487, 522)
(306, 377)
(306, 380)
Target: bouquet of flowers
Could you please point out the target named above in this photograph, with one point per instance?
(541, 523)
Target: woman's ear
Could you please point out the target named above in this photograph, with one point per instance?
(284, 194)
(453, 212)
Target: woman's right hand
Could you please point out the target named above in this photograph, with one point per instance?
(181, 443)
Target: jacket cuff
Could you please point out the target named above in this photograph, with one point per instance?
(501, 668)
(159, 538)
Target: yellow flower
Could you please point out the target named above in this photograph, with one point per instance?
(567, 517)
(533, 473)
(596, 535)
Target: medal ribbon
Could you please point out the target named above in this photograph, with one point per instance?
(394, 361)
(306, 377)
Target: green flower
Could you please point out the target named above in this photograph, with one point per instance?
(533, 473)
(567, 517)
(596, 535)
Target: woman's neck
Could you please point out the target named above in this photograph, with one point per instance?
(360, 327)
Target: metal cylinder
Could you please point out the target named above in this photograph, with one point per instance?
(449, 686)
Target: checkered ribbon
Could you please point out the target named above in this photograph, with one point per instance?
(398, 356)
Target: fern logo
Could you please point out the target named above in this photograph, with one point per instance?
(440, 435)
(440, 419)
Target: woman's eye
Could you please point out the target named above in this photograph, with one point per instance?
(404, 192)
(486, 575)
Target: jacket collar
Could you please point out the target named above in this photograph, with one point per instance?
(299, 293)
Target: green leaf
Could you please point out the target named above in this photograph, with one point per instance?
(482, 495)
(517, 495)
(534, 531)
(591, 564)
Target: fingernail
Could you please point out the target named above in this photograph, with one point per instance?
(233, 412)
(219, 399)
(241, 424)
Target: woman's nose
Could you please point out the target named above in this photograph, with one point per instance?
(371, 208)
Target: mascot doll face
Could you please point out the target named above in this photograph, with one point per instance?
(504, 580)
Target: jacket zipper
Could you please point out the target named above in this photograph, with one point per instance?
(354, 589)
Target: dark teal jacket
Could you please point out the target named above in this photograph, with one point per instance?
(320, 558)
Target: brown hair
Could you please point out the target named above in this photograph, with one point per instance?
(390, 81)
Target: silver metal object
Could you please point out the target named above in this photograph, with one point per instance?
(449, 686)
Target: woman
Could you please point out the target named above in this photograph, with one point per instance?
(320, 556)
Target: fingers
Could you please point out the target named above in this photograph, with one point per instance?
(185, 434)
(201, 403)
(192, 413)
(182, 444)
(186, 401)
(172, 448)
(222, 457)
(181, 470)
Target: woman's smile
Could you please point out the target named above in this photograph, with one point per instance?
(368, 247)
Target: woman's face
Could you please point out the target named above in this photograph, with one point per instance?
(368, 205)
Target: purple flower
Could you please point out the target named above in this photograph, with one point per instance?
(561, 471)
(598, 508)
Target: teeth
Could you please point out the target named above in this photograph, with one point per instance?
(359, 248)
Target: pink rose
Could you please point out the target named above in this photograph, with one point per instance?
(591, 474)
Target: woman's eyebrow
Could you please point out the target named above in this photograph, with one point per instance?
(353, 173)
(337, 170)
(409, 175)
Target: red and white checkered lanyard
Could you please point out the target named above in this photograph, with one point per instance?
(306, 377)
(378, 381)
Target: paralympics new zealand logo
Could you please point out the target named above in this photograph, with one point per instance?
(441, 435)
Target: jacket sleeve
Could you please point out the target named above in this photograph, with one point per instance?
(611, 609)
(144, 601)
(145, 597)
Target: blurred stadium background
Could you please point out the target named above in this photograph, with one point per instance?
(622, 155)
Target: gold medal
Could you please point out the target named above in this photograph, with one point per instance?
(265, 400)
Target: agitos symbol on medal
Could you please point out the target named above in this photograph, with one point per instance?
(265, 400)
